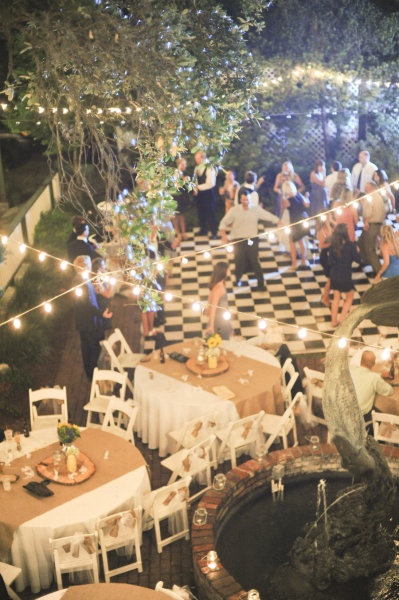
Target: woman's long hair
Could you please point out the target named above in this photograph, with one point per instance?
(388, 237)
(339, 238)
(219, 273)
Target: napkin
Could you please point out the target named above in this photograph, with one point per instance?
(196, 429)
(246, 429)
(223, 392)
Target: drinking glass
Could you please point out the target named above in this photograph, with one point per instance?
(17, 440)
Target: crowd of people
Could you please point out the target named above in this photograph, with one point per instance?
(240, 225)
(363, 194)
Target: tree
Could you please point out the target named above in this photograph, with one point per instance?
(126, 87)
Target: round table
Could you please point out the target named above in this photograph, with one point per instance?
(105, 591)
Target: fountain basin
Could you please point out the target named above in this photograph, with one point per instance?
(244, 483)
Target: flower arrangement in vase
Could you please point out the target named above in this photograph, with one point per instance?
(67, 434)
(213, 341)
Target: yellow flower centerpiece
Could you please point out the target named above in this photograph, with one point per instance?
(213, 341)
(67, 434)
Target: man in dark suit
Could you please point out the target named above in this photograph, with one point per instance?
(89, 317)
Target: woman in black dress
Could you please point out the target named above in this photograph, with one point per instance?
(342, 254)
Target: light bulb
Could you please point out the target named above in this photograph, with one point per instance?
(168, 296)
(227, 315)
(22, 248)
(47, 307)
(386, 354)
(184, 260)
(42, 256)
(4, 240)
(262, 324)
(196, 306)
(229, 249)
(17, 323)
(302, 333)
(63, 265)
(206, 254)
(79, 292)
(342, 342)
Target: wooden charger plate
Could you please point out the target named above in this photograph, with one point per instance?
(204, 370)
(85, 470)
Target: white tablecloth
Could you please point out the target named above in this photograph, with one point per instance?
(167, 404)
(30, 548)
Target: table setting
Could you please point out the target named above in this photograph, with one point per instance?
(117, 480)
(181, 389)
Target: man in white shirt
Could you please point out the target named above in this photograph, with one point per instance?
(332, 177)
(368, 383)
(362, 172)
(373, 213)
(205, 193)
(243, 221)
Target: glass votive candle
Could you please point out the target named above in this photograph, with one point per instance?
(219, 481)
(253, 595)
(200, 516)
(212, 559)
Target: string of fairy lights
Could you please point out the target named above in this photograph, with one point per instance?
(112, 277)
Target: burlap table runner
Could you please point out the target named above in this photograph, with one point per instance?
(255, 385)
(18, 506)
(111, 591)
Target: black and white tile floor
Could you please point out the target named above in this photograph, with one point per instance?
(292, 298)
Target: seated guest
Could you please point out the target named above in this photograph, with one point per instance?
(368, 383)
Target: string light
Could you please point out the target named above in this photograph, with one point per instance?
(302, 333)
(63, 265)
(4, 240)
(17, 323)
(262, 324)
(386, 354)
(168, 296)
(22, 248)
(227, 315)
(42, 256)
(342, 342)
(47, 307)
(78, 292)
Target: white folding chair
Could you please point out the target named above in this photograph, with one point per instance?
(121, 356)
(120, 533)
(169, 593)
(313, 384)
(288, 369)
(48, 406)
(75, 553)
(194, 431)
(239, 435)
(386, 427)
(105, 383)
(279, 426)
(119, 418)
(194, 461)
(9, 574)
(169, 502)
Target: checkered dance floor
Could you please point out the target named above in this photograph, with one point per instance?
(291, 297)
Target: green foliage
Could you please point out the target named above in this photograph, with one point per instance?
(13, 381)
(52, 231)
